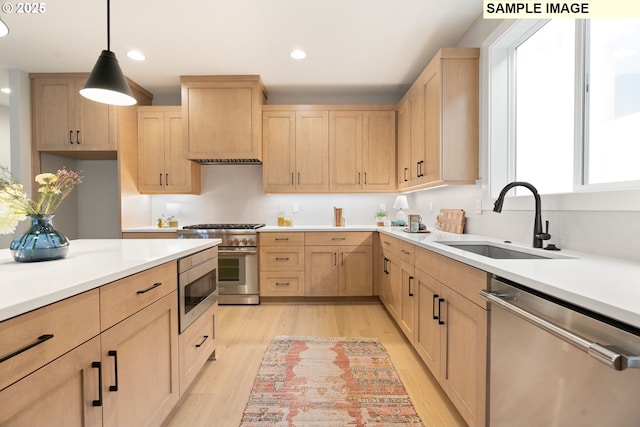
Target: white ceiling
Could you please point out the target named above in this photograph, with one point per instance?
(357, 46)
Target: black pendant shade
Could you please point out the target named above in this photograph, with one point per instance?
(106, 83)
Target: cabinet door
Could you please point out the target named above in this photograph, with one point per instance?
(178, 175)
(95, 123)
(312, 150)
(416, 129)
(54, 114)
(395, 287)
(59, 394)
(432, 107)
(322, 275)
(279, 150)
(151, 151)
(408, 308)
(428, 329)
(345, 148)
(463, 352)
(404, 143)
(356, 274)
(379, 150)
(144, 347)
(383, 278)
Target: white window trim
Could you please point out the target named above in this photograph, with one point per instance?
(494, 142)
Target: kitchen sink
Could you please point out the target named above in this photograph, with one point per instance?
(500, 251)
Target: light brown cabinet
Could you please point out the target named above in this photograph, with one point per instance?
(162, 163)
(63, 120)
(328, 148)
(362, 151)
(451, 334)
(438, 123)
(222, 117)
(282, 264)
(197, 344)
(338, 264)
(296, 151)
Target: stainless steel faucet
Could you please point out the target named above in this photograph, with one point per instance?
(538, 235)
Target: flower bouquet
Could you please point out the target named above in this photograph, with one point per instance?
(41, 242)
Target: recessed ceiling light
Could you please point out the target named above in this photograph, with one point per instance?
(5, 90)
(136, 55)
(298, 54)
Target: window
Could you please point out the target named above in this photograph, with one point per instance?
(564, 109)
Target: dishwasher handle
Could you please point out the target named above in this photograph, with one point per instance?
(599, 352)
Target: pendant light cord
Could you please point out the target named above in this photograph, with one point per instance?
(109, 25)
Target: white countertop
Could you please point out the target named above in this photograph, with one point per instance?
(89, 264)
(604, 285)
(151, 229)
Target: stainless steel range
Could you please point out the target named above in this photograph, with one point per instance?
(237, 259)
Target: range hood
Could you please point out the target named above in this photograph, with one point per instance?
(228, 161)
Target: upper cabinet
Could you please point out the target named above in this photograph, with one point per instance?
(222, 117)
(329, 148)
(438, 123)
(63, 121)
(66, 121)
(162, 163)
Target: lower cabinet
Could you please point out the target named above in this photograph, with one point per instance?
(140, 366)
(338, 271)
(408, 301)
(62, 393)
(281, 264)
(197, 345)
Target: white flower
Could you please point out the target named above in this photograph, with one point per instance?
(9, 218)
(46, 178)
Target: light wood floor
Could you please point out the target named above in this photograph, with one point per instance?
(219, 395)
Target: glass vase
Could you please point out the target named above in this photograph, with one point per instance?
(41, 242)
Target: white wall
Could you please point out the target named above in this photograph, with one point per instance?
(5, 141)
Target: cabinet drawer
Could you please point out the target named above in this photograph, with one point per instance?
(197, 345)
(281, 258)
(351, 238)
(464, 279)
(388, 244)
(124, 297)
(69, 323)
(275, 239)
(406, 251)
(282, 283)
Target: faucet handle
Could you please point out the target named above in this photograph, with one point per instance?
(545, 235)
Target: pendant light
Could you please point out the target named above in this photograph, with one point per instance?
(4, 30)
(106, 83)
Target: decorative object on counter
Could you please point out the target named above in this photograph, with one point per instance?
(41, 241)
(173, 210)
(451, 220)
(400, 203)
(337, 217)
(310, 381)
(381, 217)
(280, 216)
(106, 83)
(414, 223)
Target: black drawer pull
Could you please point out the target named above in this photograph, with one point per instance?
(282, 258)
(99, 366)
(40, 340)
(77, 137)
(339, 238)
(144, 291)
(282, 238)
(282, 283)
(204, 339)
(410, 282)
(70, 136)
(114, 354)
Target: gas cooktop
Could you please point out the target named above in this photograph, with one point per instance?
(223, 227)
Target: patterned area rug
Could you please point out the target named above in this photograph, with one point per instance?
(321, 382)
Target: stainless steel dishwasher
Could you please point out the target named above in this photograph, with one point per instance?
(554, 364)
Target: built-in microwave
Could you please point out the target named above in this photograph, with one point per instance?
(197, 285)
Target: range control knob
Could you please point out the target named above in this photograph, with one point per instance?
(252, 242)
(235, 242)
(244, 241)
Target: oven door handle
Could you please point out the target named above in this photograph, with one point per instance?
(599, 352)
(237, 252)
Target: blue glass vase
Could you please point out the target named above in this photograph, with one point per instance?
(41, 242)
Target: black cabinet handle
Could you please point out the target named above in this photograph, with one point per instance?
(282, 283)
(70, 136)
(98, 365)
(282, 258)
(282, 238)
(160, 179)
(365, 178)
(358, 178)
(335, 258)
(385, 268)
(440, 301)
(166, 179)
(152, 287)
(77, 137)
(204, 339)
(433, 307)
(410, 281)
(114, 354)
(405, 174)
(38, 341)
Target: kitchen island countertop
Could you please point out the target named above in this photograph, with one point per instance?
(90, 264)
